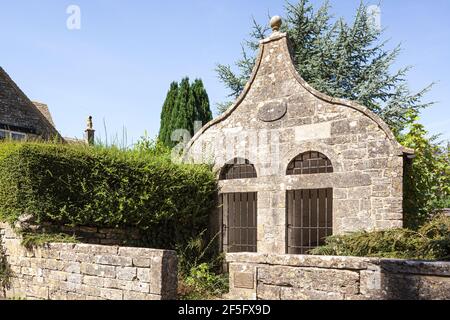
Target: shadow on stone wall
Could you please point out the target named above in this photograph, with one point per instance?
(5, 270)
(414, 280)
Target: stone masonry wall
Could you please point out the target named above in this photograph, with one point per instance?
(296, 277)
(96, 235)
(62, 271)
(278, 117)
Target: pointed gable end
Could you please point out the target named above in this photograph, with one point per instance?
(335, 156)
(19, 114)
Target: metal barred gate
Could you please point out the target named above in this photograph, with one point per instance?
(239, 212)
(309, 219)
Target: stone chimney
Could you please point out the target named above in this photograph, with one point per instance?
(89, 133)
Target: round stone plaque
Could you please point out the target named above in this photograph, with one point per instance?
(272, 111)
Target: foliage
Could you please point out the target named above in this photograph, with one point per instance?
(427, 177)
(203, 284)
(199, 269)
(343, 60)
(31, 240)
(106, 187)
(185, 104)
(430, 242)
(5, 270)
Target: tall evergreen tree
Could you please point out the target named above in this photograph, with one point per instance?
(185, 104)
(343, 60)
(202, 110)
(166, 114)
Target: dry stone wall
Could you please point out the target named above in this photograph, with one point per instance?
(63, 271)
(296, 277)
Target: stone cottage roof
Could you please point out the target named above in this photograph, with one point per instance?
(43, 108)
(283, 53)
(18, 113)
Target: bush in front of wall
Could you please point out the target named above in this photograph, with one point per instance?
(430, 242)
(106, 187)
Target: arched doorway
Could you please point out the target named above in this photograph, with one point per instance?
(239, 210)
(309, 211)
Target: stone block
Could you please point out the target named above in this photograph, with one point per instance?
(111, 294)
(95, 281)
(36, 291)
(73, 296)
(57, 275)
(141, 262)
(72, 267)
(98, 270)
(308, 294)
(338, 281)
(144, 274)
(113, 260)
(268, 292)
(126, 273)
(244, 280)
(139, 296)
(68, 256)
(96, 249)
(75, 278)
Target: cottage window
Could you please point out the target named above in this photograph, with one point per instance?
(310, 163)
(238, 169)
(13, 135)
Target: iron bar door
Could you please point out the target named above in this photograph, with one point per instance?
(309, 219)
(239, 212)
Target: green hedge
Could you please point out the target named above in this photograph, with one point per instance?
(105, 187)
(430, 242)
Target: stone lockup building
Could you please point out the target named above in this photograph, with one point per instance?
(296, 165)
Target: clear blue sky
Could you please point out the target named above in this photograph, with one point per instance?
(118, 67)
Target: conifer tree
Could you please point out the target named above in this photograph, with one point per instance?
(166, 114)
(185, 104)
(344, 60)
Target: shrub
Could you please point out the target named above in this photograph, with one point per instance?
(202, 283)
(31, 240)
(5, 271)
(427, 177)
(106, 187)
(430, 242)
(199, 268)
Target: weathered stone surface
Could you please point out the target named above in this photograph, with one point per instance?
(126, 273)
(141, 262)
(114, 260)
(329, 262)
(289, 277)
(144, 274)
(111, 294)
(92, 272)
(244, 280)
(98, 270)
(358, 143)
(268, 292)
(340, 281)
(308, 294)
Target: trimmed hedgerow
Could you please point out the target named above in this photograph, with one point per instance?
(430, 242)
(105, 187)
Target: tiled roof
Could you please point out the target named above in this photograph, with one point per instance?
(43, 108)
(17, 111)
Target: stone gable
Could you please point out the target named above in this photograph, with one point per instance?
(279, 117)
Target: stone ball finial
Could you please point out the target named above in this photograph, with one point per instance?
(275, 23)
